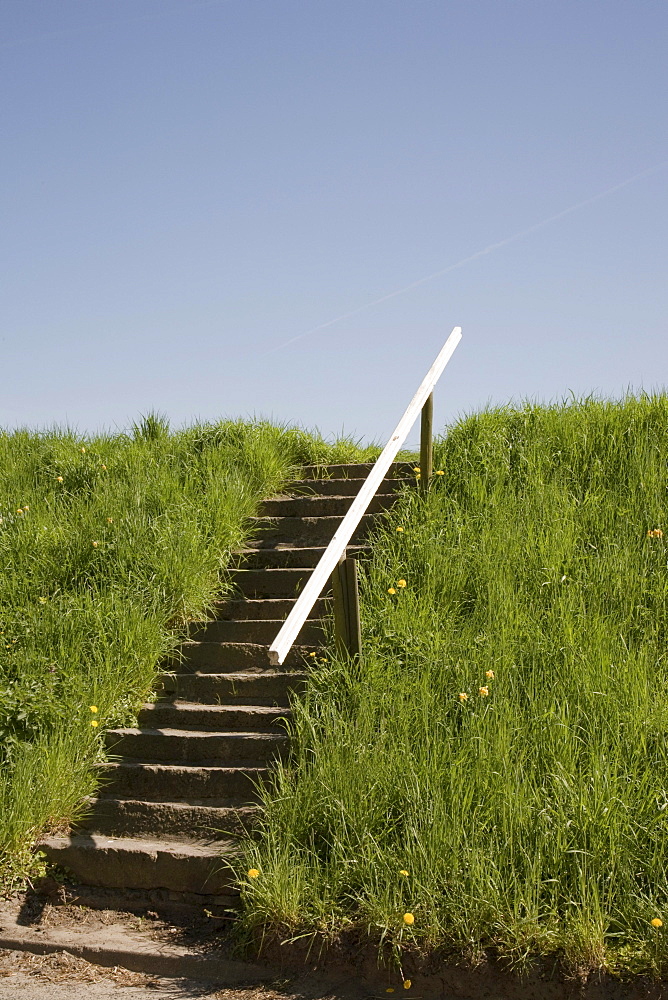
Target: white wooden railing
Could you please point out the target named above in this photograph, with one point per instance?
(335, 551)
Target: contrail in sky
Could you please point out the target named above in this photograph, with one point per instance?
(474, 256)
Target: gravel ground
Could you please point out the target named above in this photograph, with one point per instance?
(60, 976)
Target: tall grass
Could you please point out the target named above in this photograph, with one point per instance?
(108, 546)
(497, 764)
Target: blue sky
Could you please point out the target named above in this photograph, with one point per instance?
(187, 186)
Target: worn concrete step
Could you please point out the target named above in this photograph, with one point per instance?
(288, 556)
(303, 530)
(338, 487)
(357, 470)
(272, 582)
(265, 688)
(186, 821)
(161, 745)
(169, 782)
(213, 718)
(234, 657)
(257, 608)
(144, 863)
(263, 631)
(317, 506)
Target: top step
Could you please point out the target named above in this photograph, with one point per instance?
(357, 470)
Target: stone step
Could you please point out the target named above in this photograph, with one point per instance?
(357, 470)
(288, 556)
(235, 657)
(338, 487)
(259, 688)
(271, 582)
(186, 821)
(212, 718)
(256, 609)
(302, 531)
(173, 782)
(161, 745)
(263, 631)
(318, 506)
(137, 863)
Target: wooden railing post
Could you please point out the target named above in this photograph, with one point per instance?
(347, 627)
(426, 443)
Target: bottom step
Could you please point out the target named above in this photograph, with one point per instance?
(144, 864)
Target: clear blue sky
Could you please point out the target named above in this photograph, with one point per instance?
(189, 184)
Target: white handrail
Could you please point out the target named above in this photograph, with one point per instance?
(332, 555)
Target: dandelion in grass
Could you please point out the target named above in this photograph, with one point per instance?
(26, 507)
(463, 696)
(83, 451)
(313, 654)
(440, 472)
(400, 529)
(103, 467)
(416, 470)
(19, 511)
(110, 520)
(655, 533)
(489, 674)
(403, 872)
(407, 984)
(483, 691)
(391, 590)
(59, 479)
(95, 544)
(253, 873)
(657, 922)
(42, 600)
(93, 708)
(401, 583)
(94, 723)
(409, 919)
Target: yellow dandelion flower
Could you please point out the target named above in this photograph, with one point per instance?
(26, 507)
(657, 922)
(409, 919)
(416, 470)
(489, 674)
(401, 583)
(95, 544)
(19, 511)
(463, 696)
(391, 590)
(407, 984)
(313, 654)
(253, 873)
(59, 479)
(400, 529)
(483, 692)
(403, 872)
(94, 723)
(103, 467)
(83, 451)
(42, 600)
(93, 708)
(110, 520)
(440, 472)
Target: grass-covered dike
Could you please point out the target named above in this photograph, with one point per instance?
(108, 545)
(492, 777)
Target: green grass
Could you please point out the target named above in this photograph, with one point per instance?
(532, 820)
(107, 547)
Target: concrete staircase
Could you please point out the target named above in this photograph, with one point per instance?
(183, 784)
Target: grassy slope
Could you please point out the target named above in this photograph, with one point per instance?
(531, 816)
(106, 547)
